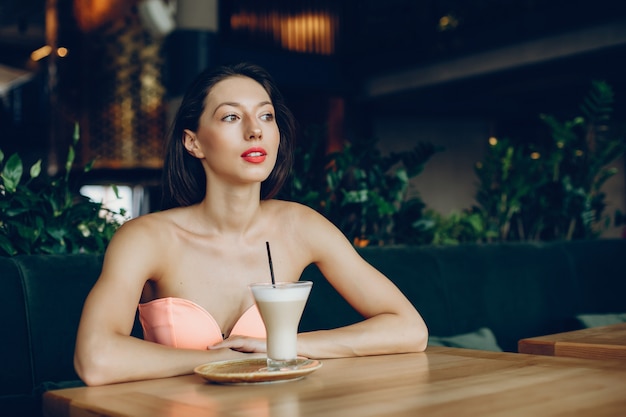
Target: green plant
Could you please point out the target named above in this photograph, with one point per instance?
(457, 227)
(43, 215)
(552, 189)
(360, 190)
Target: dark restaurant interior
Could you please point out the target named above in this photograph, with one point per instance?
(472, 151)
(452, 73)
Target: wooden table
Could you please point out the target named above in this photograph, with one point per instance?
(606, 342)
(439, 382)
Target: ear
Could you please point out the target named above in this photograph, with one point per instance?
(191, 144)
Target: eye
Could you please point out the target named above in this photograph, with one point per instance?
(229, 118)
(268, 117)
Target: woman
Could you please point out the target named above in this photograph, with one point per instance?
(188, 267)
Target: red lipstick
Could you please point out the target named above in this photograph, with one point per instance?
(254, 155)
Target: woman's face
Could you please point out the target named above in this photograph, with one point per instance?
(237, 137)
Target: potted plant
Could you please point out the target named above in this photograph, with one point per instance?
(551, 190)
(363, 192)
(45, 215)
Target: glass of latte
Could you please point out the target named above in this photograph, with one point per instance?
(281, 305)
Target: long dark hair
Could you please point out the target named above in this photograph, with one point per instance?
(184, 179)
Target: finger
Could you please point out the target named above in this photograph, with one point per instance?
(235, 344)
(222, 345)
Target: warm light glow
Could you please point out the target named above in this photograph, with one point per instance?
(93, 14)
(361, 242)
(41, 53)
(579, 152)
(493, 141)
(312, 32)
(46, 50)
(560, 144)
(535, 155)
(447, 22)
(308, 33)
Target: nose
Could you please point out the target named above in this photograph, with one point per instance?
(254, 132)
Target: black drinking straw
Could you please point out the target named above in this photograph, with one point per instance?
(269, 258)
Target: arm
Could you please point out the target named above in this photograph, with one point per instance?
(105, 352)
(391, 325)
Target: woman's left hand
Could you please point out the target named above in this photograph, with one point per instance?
(242, 344)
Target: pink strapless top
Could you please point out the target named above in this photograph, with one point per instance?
(184, 324)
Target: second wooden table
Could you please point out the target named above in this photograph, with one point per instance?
(606, 342)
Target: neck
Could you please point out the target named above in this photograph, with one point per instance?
(232, 210)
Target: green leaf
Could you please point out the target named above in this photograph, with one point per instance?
(12, 173)
(356, 196)
(76, 135)
(14, 212)
(35, 170)
(27, 232)
(58, 234)
(71, 154)
(402, 175)
(6, 246)
(90, 165)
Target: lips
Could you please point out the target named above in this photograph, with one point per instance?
(254, 155)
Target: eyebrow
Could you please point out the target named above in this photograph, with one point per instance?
(236, 104)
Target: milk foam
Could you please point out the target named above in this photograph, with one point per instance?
(278, 293)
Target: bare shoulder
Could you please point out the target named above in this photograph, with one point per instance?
(311, 231)
(143, 230)
(298, 218)
(142, 244)
(292, 210)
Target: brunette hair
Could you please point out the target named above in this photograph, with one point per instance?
(184, 180)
